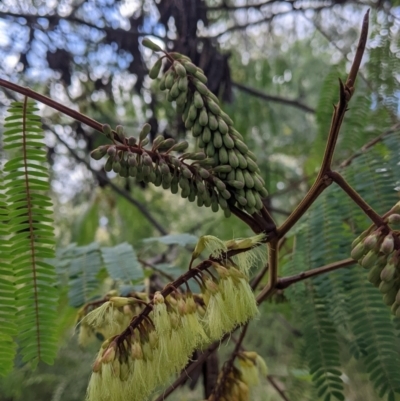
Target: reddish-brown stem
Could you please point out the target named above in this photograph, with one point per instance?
(276, 387)
(53, 104)
(287, 281)
(360, 202)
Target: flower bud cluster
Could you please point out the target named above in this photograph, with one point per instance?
(234, 383)
(202, 114)
(147, 353)
(377, 252)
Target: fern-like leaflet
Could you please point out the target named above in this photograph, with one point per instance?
(30, 232)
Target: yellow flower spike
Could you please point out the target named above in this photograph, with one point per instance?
(249, 372)
(198, 335)
(119, 302)
(212, 244)
(246, 305)
(109, 354)
(262, 366)
(95, 386)
(246, 260)
(244, 392)
(86, 335)
(160, 315)
(243, 243)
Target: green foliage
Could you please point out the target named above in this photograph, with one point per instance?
(343, 308)
(174, 239)
(30, 238)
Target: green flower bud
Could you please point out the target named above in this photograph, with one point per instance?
(166, 144)
(162, 83)
(98, 153)
(228, 141)
(227, 213)
(222, 126)
(146, 42)
(155, 70)
(203, 118)
(388, 272)
(241, 146)
(180, 147)
(131, 141)
(222, 169)
(116, 166)
(107, 131)
(248, 179)
(210, 150)
(251, 165)
(387, 245)
(213, 107)
(226, 118)
(144, 132)
(241, 200)
(109, 164)
(180, 69)
(236, 184)
(233, 160)
(374, 275)
(369, 259)
(200, 87)
(132, 171)
(200, 76)
(219, 184)
(223, 155)
(212, 122)
(198, 100)
(394, 219)
(251, 201)
(169, 79)
(358, 251)
(174, 92)
(190, 67)
(217, 140)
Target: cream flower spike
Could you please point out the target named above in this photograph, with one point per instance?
(211, 244)
(243, 243)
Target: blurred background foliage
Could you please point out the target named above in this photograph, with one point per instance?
(275, 65)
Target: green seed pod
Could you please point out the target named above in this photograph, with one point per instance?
(175, 92)
(179, 147)
(387, 245)
(211, 96)
(385, 287)
(166, 144)
(241, 146)
(183, 84)
(233, 160)
(212, 122)
(227, 213)
(144, 132)
(210, 150)
(239, 175)
(200, 143)
(98, 153)
(159, 139)
(222, 169)
(185, 192)
(198, 100)
(236, 184)
(155, 70)
(216, 158)
(109, 163)
(222, 126)
(190, 67)
(181, 102)
(217, 140)
(258, 185)
(200, 201)
(251, 155)
(203, 173)
(214, 206)
(374, 275)
(189, 123)
(146, 42)
(180, 69)
(241, 200)
(192, 112)
(219, 184)
(166, 181)
(358, 251)
(192, 195)
(213, 107)
(169, 79)
(225, 194)
(228, 141)
(223, 203)
(231, 176)
(116, 166)
(107, 131)
(132, 161)
(200, 76)
(132, 171)
(259, 203)
(200, 87)
(236, 134)
(226, 118)
(248, 179)
(162, 83)
(263, 193)
(390, 296)
(203, 118)
(201, 188)
(186, 173)
(174, 187)
(131, 141)
(223, 156)
(242, 160)
(369, 259)
(251, 165)
(388, 272)
(251, 201)
(206, 135)
(197, 128)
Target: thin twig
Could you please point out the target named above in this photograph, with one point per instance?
(285, 282)
(276, 387)
(272, 98)
(155, 268)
